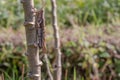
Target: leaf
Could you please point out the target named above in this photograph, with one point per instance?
(68, 52)
(104, 55)
(74, 74)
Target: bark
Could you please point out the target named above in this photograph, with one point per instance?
(32, 48)
(58, 69)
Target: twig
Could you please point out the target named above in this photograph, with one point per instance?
(95, 69)
(104, 66)
(47, 65)
(58, 71)
(114, 53)
(113, 74)
(23, 71)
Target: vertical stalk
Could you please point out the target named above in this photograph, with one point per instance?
(32, 48)
(58, 69)
(47, 66)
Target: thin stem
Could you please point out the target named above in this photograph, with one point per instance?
(58, 71)
(47, 65)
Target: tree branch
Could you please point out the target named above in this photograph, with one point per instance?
(47, 65)
(32, 48)
(58, 70)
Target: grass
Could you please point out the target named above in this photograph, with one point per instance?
(76, 43)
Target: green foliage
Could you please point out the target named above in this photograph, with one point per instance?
(11, 62)
(79, 53)
(69, 12)
(88, 11)
(74, 74)
(10, 13)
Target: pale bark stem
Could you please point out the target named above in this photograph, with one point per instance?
(58, 70)
(47, 66)
(32, 50)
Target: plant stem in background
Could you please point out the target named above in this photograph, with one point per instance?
(47, 66)
(32, 48)
(58, 68)
(23, 71)
(2, 76)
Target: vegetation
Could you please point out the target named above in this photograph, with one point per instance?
(77, 12)
(90, 39)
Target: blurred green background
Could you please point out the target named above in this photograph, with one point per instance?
(90, 39)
